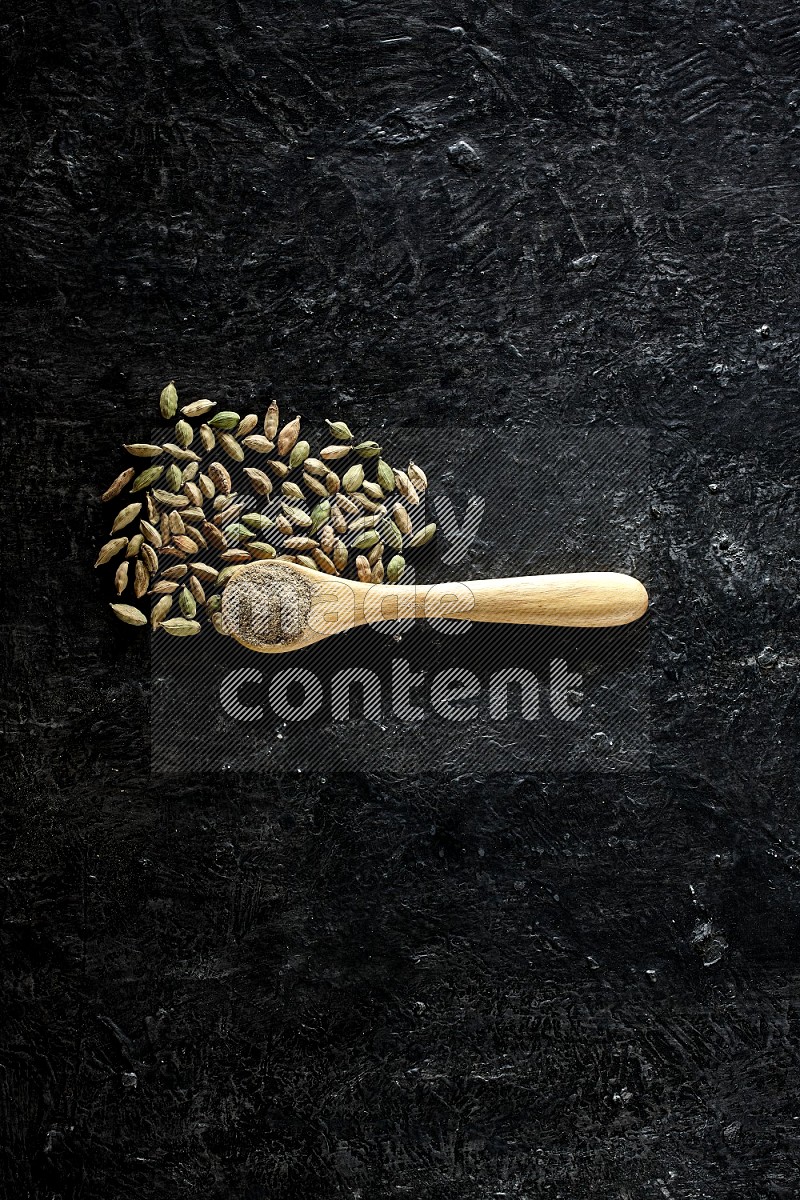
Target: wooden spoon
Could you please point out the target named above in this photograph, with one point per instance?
(585, 600)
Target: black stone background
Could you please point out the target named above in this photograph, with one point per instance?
(369, 986)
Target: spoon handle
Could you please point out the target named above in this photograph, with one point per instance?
(584, 599)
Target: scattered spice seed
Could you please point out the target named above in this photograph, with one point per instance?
(339, 430)
(300, 453)
(119, 483)
(225, 421)
(128, 614)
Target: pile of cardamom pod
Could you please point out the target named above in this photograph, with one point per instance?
(247, 496)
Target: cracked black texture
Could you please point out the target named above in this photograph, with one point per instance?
(368, 986)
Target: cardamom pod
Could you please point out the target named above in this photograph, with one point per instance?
(134, 545)
(345, 503)
(257, 521)
(124, 517)
(364, 569)
(151, 533)
(190, 472)
(196, 588)
(261, 550)
(176, 524)
(207, 437)
(423, 536)
(204, 572)
(331, 453)
(366, 539)
(193, 493)
(207, 487)
(183, 434)
(283, 525)
(315, 466)
(417, 477)
(119, 483)
(375, 553)
(219, 624)
(245, 426)
(365, 503)
(168, 401)
(405, 487)
(332, 483)
(261, 445)
(271, 421)
(111, 550)
(340, 554)
(193, 514)
(178, 452)
(175, 572)
(172, 478)
(373, 490)
(324, 563)
(237, 533)
(353, 478)
(339, 430)
(164, 587)
(128, 614)
(288, 436)
(171, 498)
(164, 529)
(391, 534)
(314, 485)
(368, 522)
(152, 508)
(225, 421)
(338, 520)
(146, 478)
(121, 576)
(184, 543)
(300, 542)
(196, 537)
(377, 572)
(187, 602)
(300, 452)
(367, 449)
(307, 562)
(220, 478)
(320, 514)
(262, 484)
(160, 610)
(198, 408)
(292, 490)
(224, 501)
(214, 536)
(213, 604)
(141, 579)
(395, 568)
(326, 538)
(385, 475)
(235, 556)
(180, 627)
(231, 447)
(225, 575)
(297, 516)
(278, 468)
(401, 518)
(142, 449)
(149, 558)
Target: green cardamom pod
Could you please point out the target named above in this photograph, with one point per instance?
(173, 478)
(320, 514)
(184, 434)
(385, 476)
(372, 490)
(180, 627)
(128, 614)
(367, 449)
(225, 421)
(423, 537)
(261, 550)
(146, 478)
(257, 521)
(353, 478)
(395, 568)
(187, 603)
(391, 534)
(214, 604)
(300, 453)
(168, 402)
(339, 430)
(237, 533)
(142, 449)
(365, 540)
(292, 490)
(297, 516)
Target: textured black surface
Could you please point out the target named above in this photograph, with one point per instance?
(371, 987)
